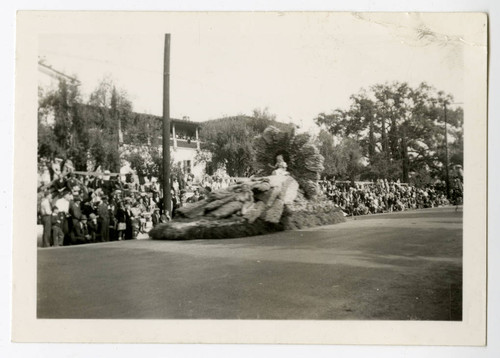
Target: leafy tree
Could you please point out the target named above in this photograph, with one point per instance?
(342, 161)
(327, 149)
(111, 113)
(382, 166)
(146, 161)
(69, 129)
(261, 119)
(47, 144)
(228, 142)
(64, 135)
(399, 128)
(349, 159)
(143, 129)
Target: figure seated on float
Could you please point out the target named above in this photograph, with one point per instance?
(280, 166)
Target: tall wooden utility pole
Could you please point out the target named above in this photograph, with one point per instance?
(167, 196)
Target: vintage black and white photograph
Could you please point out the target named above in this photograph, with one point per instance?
(254, 166)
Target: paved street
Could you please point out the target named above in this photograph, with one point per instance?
(402, 266)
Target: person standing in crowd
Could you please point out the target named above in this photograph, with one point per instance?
(46, 213)
(93, 228)
(80, 233)
(75, 210)
(56, 168)
(63, 206)
(57, 220)
(129, 230)
(121, 221)
(45, 177)
(103, 215)
(59, 184)
(175, 185)
(160, 203)
(136, 211)
(113, 221)
(71, 182)
(107, 185)
(87, 206)
(156, 199)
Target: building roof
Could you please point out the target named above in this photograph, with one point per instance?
(48, 70)
(174, 120)
(184, 121)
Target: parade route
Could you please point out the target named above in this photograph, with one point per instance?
(399, 266)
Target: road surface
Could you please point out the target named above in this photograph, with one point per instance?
(400, 266)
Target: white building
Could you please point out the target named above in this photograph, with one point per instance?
(184, 143)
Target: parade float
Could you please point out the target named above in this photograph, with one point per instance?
(285, 197)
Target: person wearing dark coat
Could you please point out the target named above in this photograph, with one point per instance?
(80, 232)
(87, 208)
(155, 217)
(71, 182)
(121, 221)
(93, 228)
(129, 230)
(108, 187)
(103, 219)
(59, 185)
(95, 183)
(74, 210)
(57, 220)
(46, 213)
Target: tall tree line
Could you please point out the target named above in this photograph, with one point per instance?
(397, 129)
(83, 132)
(229, 142)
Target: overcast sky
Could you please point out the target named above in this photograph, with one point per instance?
(297, 65)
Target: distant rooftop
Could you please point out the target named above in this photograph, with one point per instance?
(48, 70)
(183, 121)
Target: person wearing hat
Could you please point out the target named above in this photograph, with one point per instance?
(103, 218)
(63, 202)
(45, 176)
(63, 205)
(46, 213)
(155, 217)
(80, 232)
(93, 228)
(75, 209)
(129, 218)
(121, 221)
(107, 185)
(72, 183)
(59, 184)
(57, 220)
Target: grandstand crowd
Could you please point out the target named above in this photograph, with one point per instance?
(382, 196)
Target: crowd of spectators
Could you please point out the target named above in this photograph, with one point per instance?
(184, 136)
(76, 208)
(383, 196)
